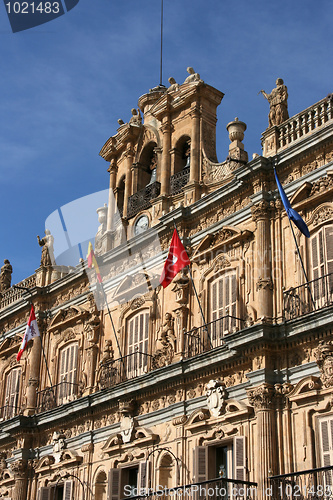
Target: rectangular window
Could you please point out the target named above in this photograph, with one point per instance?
(223, 306)
(322, 264)
(12, 394)
(137, 344)
(326, 447)
(67, 386)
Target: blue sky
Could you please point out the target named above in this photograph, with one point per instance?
(64, 84)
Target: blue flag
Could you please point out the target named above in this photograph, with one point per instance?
(292, 214)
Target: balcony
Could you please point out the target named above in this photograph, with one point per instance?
(307, 484)
(119, 370)
(313, 296)
(214, 489)
(142, 199)
(178, 181)
(57, 395)
(204, 338)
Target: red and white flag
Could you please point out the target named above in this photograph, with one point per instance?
(177, 259)
(30, 332)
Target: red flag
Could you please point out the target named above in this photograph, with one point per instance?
(30, 332)
(92, 262)
(177, 259)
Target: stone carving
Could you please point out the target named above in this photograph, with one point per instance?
(193, 76)
(47, 251)
(19, 468)
(264, 283)
(324, 359)
(137, 302)
(58, 443)
(321, 185)
(173, 85)
(5, 276)
(322, 215)
(127, 421)
(136, 118)
(261, 397)
(278, 100)
(216, 397)
(163, 356)
(107, 352)
(167, 333)
(3, 465)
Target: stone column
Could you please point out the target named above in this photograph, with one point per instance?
(195, 144)
(20, 470)
(264, 284)
(128, 179)
(33, 381)
(113, 169)
(262, 398)
(166, 164)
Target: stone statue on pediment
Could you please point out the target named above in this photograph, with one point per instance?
(278, 101)
(46, 243)
(136, 118)
(193, 76)
(5, 276)
(173, 85)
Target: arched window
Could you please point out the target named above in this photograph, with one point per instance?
(67, 377)
(181, 165)
(120, 195)
(322, 265)
(101, 486)
(148, 165)
(12, 393)
(167, 475)
(223, 305)
(137, 343)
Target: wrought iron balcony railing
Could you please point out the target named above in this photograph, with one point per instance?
(307, 484)
(8, 411)
(179, 180)
(204, 338)
(57, 395)
(215, 489)
(119, 370)
(142, 199)
(312, 296)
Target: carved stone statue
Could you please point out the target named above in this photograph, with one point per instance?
(107, 352)
(194, 77)
(167, 332)
(5, 276)
(47, 252)
(136, 117)
(173, 85)
(215, 397)
(278, 100)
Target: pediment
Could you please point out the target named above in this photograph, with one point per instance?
(198, 418)
(135, 285)
(228, 235)
(321, 215)
(66, 317)
(301, 194)
(304, 387)
(9, 345)
(141, 436)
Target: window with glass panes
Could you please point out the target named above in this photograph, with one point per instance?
(12, 393)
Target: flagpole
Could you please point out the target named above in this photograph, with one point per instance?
(40, 338)
(112, 324)
(196, 294)
(302, 264)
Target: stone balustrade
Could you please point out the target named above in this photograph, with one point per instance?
(13, 294)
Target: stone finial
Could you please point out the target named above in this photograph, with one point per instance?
(236, 131)
(5, 276)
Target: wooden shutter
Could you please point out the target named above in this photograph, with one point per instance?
(68, 490)
(137, 343)
(200, 457)
(239, 466)
(44, 494)
(12, 392)
(223, 302)
(67, 373)
(143, 482)
(326, 446)
(114, 484)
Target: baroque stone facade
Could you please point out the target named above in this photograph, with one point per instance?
(164, 398)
